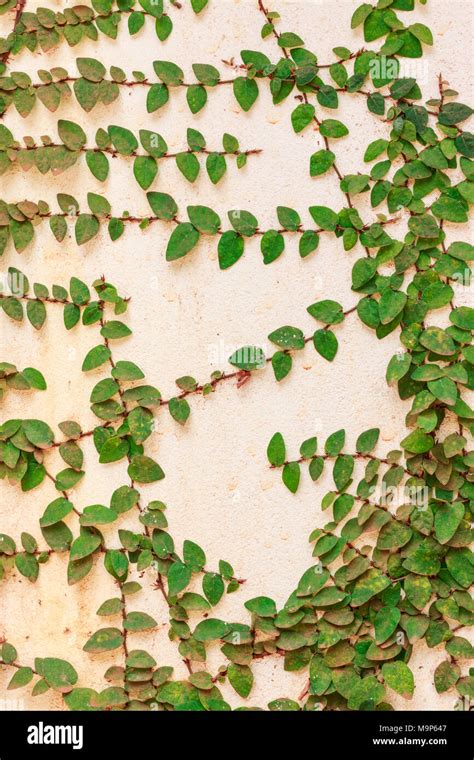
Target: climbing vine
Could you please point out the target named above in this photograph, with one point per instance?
(393, 566)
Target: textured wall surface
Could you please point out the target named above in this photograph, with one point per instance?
(188, 316)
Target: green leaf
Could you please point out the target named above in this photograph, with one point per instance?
(335, 443)
(193, 555)
(367, 441)
(243, 222)
(179, 409)
(91, 69)
(21, 677)
(97, 514)
(169, 73)
(290, 40)
(272, 245)
(320, 162)
(376, 103)
(124, 370)
(98, 164)
(283, 705)
(139, 621)
(399, 677)
(245, 92)
(326, 344)
(79, 291)
(398, 367)
(372, 583)
(309, 241)
(206, 74)
(145, 169)
(230, 248)
(86, 228)
(72, 135)
(143, 469)
(188, 165)
(123, 140)
(163, 27)
(393, 535)
(153, 7)
(68, 478)
(262, 606)
(56, 511)
(96, 357)
(204, 219)
(424, 226)
(417, 442)
(342, 472)
(386, 622)
(72, 314)
(291, 476)
(85, 545)
(324, 217)
(460, 648)
(360, 14)
(418, 590)
(210, 630)
(320, 676)
(114, 330)
(302, 116)
(183, 239)
(216, 167)
(423, 560)
(34, 378)
(333, 128)
(36, 313)
(22, 234)
(27, 565)
(375, 149)
(248, 358)
(450, 209)
(329, 312)
(453, 113)
(158, 96)
(391, 304)
(288, 218)
(213, 587)
(463, 317)
(276, 451)
(437, 340)
(461, 566)
(288, 337)
(104, 640)
(446, 675)
(162, 205)
(447, 520)
(38, 433)
(241, 678)
(198, 5)
(59, 674)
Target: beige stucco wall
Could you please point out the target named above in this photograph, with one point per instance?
(218, 487)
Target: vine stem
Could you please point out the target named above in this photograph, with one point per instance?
(124, 616)
(114, 153)
(316, 120)
(150, 219)
(159, 581)
(19, 8)
(130, 83)
(356, 455)
(275, 33)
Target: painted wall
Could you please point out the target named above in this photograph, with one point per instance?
(188, 317)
